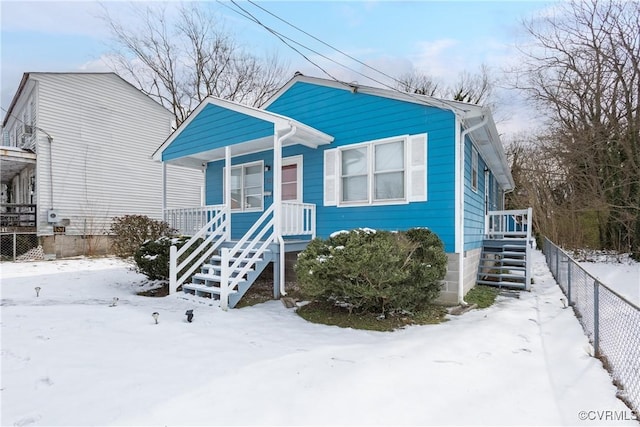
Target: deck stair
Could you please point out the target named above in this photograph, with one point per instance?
(206, 283)
(505, 260)
(503, 263)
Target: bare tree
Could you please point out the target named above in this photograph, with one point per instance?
(584, 71)
(181, 61)
(418, 83)
(475, 88)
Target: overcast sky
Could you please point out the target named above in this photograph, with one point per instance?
(441, 39)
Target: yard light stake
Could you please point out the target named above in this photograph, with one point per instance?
(114, 302)
(38, 291)
(155, 315)
(564, 302)
(189, 314)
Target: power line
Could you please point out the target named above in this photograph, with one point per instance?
(280, 36)
(250, 17)
(327, 44)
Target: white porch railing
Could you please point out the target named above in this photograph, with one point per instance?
(298, 219)
(214, 232)
(508, 224)
(188, 221)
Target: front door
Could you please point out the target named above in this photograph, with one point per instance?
(292, 179)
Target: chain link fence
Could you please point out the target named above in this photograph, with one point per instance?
(14, 245)
(610, 321)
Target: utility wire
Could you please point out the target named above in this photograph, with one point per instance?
(280, 36)
(250, 17)
(327, 44)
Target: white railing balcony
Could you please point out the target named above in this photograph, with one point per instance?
(188, 221)
(514, 224)
(298, 219)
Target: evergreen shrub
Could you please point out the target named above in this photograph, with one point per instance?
(131, 231)
(369, 270)
(152, 257)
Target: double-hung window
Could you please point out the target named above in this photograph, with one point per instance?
(381, 172)
(247, 187)
(373, 172)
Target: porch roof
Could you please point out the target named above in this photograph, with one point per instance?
(12, 161)
(217, 123)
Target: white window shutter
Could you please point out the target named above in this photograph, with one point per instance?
(417, 173)
(331, 177)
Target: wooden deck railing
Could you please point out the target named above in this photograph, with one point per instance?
(17, 216)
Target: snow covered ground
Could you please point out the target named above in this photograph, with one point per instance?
(623, 276)
(68, 358)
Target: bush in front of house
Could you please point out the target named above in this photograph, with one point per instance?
(366, 270)
(131, 231)
(152, 257)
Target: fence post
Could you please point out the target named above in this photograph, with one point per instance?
(15, 246)
(569, 264)
(557, 263)
(596, 319)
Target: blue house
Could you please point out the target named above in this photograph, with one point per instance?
(323, 156)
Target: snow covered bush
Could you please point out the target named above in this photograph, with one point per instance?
(373, 271)
(152, 257)
(130, 231)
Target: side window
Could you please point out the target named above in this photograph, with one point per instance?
(474, 169)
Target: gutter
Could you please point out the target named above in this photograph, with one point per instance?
(460, 202)
(277, 199)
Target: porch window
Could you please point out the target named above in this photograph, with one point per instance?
(373, 172)
(247, 187)
(474, 169)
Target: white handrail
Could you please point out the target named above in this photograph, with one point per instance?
(240, 252)
(217, 231)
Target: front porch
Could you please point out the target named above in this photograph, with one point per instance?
(252, 215)
(227, 266)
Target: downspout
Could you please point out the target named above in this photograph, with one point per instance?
(50, 139)
(164, 191)
(460, 236)
(277, 199)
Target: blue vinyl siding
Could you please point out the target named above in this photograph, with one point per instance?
(353, 118)
(473, 202)
(216, 127)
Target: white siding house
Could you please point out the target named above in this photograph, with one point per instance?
(88, 140)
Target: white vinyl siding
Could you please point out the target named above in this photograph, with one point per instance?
(104, 133)
(388, 171)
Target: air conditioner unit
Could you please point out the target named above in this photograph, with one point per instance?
(52, 216)
(27, 129)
